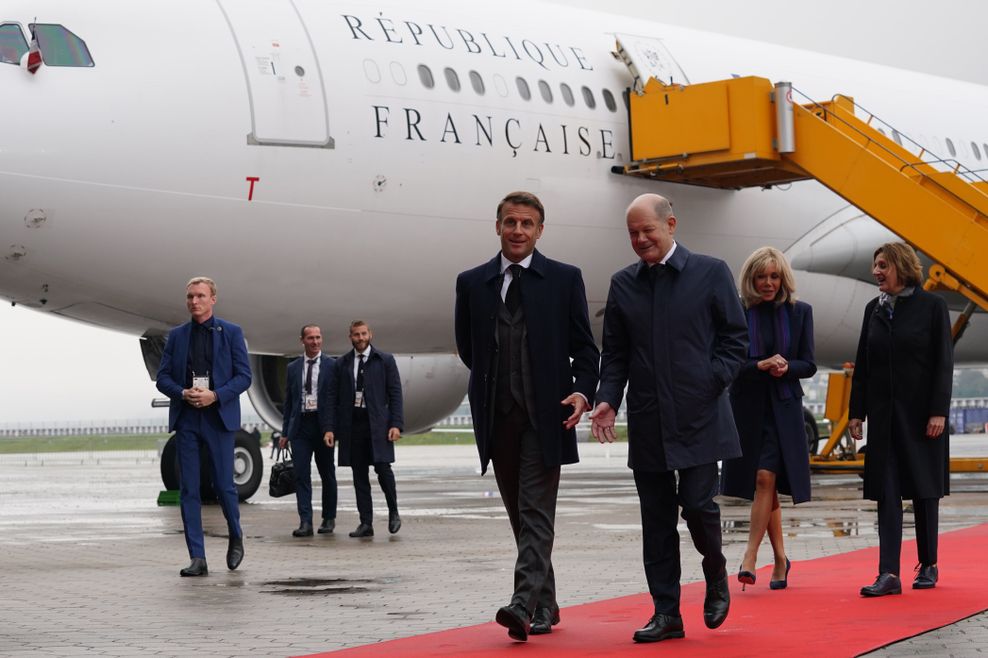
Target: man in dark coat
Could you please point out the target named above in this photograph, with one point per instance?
(306, 384)
(674, 330)
(364, 410)
(523, 330)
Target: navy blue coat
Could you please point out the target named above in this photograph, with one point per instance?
(292, 413)
(692, 322)
(903, 375)
(382, 396)
(561, 348)
(230, 375)
(751, 393)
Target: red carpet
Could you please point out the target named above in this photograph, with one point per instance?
(821, 614)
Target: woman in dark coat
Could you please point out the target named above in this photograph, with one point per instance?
(768, 410)
(901, 385)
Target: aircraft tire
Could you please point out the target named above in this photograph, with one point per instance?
(248, 466)
(812, 433)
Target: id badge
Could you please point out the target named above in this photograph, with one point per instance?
(358, 399)
(200, 382)
(310, 402)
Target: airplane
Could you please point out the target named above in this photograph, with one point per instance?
(326, 161)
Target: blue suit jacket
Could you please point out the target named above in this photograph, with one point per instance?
(677, 347)
(292, 412)
(230, 374)
(563, 354)
(382, 396)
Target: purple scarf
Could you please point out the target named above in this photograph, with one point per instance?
(783, 339)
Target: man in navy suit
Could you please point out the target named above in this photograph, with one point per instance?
(364, 412)
(674, 328)
(203, 371)
(307, 384)
(523, 330)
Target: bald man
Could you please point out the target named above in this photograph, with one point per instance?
(674, 328)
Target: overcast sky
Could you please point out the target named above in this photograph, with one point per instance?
(54, 369)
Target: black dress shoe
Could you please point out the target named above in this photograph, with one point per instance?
(927, 577)
(303, 530)
(363, 530)
(235, 553)
(886, 583)
(196, 568)
(543, 620)
(394, 522)
(660, 627)
(716, 603)
(514, 617)
(327, 527)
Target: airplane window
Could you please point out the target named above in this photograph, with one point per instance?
(398, 73)
(977, 153)
(523, 89)
(588, 98)
(60, 47)
(609, 100)
(372, 71)
(567, 94)
(545, 91)
(13, 45)
(950, 147)
(477, 82)
(452, 79)
(501, 85)
(425, 75)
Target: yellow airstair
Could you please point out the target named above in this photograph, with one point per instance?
(745, 132)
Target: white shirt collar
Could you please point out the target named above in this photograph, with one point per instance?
(525, 262)
(668, 255)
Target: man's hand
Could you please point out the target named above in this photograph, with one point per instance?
(199, 397)
(282, 442)
(579, 404)
(773, 363)
(394, 434)
(602, 422)
(854, 426)
(934, 427)
(329, 439)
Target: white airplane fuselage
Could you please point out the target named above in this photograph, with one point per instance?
(370, 189)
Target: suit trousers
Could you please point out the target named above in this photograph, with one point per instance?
(660, 501)
(361, 458)
(203, 427)
(307, 444)
(927, 515)
(528, 489)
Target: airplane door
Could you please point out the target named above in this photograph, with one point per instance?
(648, 58)
(284, 82)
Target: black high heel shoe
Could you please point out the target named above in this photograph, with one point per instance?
(781, 584)
(745, 578)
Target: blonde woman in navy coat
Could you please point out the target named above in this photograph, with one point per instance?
(768, 410)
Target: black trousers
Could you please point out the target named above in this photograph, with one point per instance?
(660, 501)
(528, 490)
(307, 444)
(927, 515)
(361, 458)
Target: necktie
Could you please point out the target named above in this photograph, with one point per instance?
(360, 372)
(512, 298)
(308, 377)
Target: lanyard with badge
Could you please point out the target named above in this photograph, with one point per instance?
(358, 397)
(200, 382)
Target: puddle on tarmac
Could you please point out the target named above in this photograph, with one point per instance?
(319, 586)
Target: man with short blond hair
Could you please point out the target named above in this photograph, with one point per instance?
(204, 369)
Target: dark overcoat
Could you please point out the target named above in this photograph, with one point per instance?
(903, 375)
(756, 396)
(562, 352)
(292, 411)
(678, 346)
(382, 397)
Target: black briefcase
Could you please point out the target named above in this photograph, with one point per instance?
(282, 482)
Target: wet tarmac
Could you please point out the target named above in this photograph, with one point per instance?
(91, 562)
